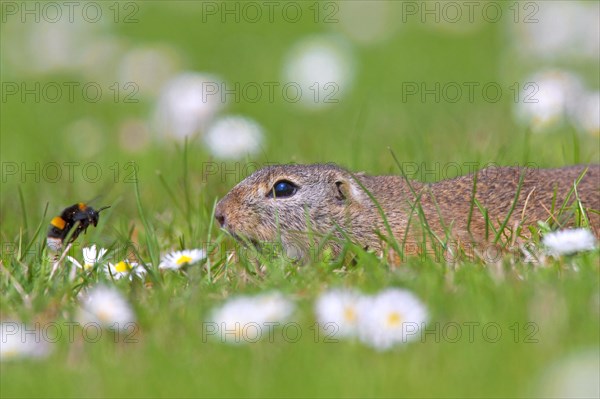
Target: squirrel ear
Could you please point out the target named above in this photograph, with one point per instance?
(342, 190)
(346, 191)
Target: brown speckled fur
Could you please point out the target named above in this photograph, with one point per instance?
(329, 198)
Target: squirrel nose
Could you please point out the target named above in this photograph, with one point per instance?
(220, 217)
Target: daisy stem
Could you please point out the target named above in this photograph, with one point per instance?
(208, 238)
(59, 261)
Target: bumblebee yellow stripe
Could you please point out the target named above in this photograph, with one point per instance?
(58, 222)
(82, 206)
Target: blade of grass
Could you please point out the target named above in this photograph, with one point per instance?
(581, 214)
(473, 193)
(186, 189)
(35, 235)
(570, 193)
(151, 242)
(23, 209)
(420, 212)
(208, 240)
(17, 286)
(170, 193)
(513, 205)
(486, 217)
(394, 242)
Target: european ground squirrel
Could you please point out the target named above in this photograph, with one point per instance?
(301, 205)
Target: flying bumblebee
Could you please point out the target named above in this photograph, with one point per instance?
(79, 214)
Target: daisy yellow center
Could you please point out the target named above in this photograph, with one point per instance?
(122, 267)
(394, 319)
(11, 353)
(104, 315)
(349, 314)
(183, 259)
(87, 266)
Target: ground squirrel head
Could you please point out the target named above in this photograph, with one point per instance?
(284, 202)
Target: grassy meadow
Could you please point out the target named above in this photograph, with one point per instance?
(496, 329)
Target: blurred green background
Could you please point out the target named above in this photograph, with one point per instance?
(377, 54)
(390, 48)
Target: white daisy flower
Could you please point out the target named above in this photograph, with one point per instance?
(124, 268)
(394, 316)
(565, 242)
(340, 308)
(91, 256)
(246, 319)
(575, 376)
(18, 341)
(178, 259)
(106, 307)
(187, 103)
(149, 67)
(321, 68)
(238, 321)
(233, 137)
(274, 306)
(62, 45)
(586, 113)
(567, 30)
(548, 98)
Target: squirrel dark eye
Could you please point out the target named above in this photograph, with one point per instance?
(283, 189)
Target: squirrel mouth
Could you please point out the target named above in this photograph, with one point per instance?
(245, 240)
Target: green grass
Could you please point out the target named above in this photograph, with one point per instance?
(172, 356)
(165, 200)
